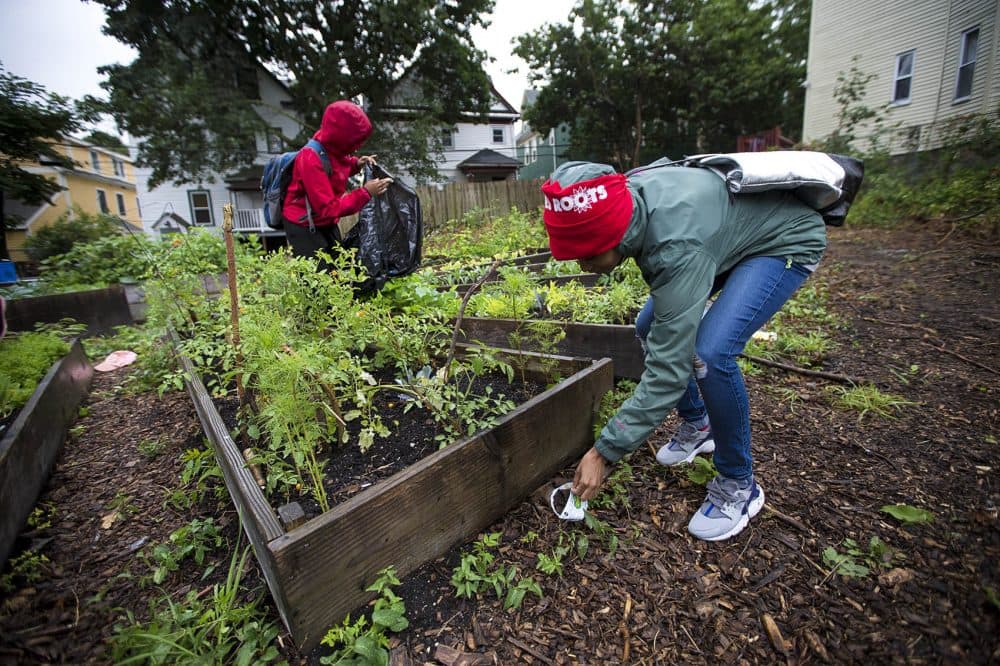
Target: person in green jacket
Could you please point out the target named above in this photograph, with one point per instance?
(685, 230)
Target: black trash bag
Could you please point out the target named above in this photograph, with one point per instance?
(389, 233)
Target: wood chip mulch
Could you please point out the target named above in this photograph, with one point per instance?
(918, 315)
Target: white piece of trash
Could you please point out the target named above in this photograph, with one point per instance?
(575, 508)
(766, 336)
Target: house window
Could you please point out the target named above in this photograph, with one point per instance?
(95, 160)
(138, 208)
(201, 207)
(497, 135)
(102, 202)
(275, 144)
(903, 79)
(966, 64)
(120, 198)
(118, 167)
(246, 82)
(447, 140)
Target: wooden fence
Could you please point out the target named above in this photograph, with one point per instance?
(496, 198)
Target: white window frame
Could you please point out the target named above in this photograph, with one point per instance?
(447, 137)
(95, 160)
(118, 167)
(501, 139)
(195, 209)
(120, 199)
(102, 202)
(964, 61)
(896, 77)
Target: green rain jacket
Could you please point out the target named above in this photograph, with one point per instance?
(685, 230)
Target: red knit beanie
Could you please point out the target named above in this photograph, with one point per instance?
(586, 217)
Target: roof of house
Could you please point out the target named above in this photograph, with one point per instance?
(489, 158)
(170, 220)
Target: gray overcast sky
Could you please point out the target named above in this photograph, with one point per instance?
(59, 44)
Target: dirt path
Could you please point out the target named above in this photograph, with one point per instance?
(919, 316)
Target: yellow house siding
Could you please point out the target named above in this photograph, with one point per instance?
(878, 32)
(80, 190)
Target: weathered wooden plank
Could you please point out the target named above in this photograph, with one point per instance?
(587, 340)
(585, 279)
(421, 512)
(448, 202)
(100, 309)
(259, 520)
(32, 442)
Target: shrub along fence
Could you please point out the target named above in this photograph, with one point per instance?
(450, 202)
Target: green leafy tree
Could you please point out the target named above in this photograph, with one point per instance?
(192, 90)
(32, 123)
(105, 140)
(642, 80)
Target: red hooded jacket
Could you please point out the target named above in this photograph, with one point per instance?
(344, 128)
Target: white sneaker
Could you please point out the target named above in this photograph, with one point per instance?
(686, 443)
(727, 510)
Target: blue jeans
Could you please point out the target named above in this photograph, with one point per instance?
(755, 289)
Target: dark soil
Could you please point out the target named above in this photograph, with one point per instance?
(348, 470)
(920, 318)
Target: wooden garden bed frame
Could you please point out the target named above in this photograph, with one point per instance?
(31, 443)
(613, 341)
(100, 309)
(318, 571)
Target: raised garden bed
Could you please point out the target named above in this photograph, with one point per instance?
(586, 279)
(613, 341)
(31, 443)
(100, 309)
(318, 570)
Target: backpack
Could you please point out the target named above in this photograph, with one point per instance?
(825, 182)
(277, 176)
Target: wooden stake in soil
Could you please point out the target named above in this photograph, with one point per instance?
(234, 316)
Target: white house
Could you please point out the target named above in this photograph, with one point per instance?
(474, 150)
(168, 208)
(934, 61)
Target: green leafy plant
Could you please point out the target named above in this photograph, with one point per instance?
(614, 493)
(908, 514)
(194, 540)
(611, 402)
(41, 516)
(517, 592)
(552, 564)
(152, 447)
(199, 476)
(701, 470)
(216, 629)
(24, 360)
(478, 571)
(856, 561)
(359, 643)
(122, 503)
(867, 399)
(26, 568)
(69, 230)
(475, 570)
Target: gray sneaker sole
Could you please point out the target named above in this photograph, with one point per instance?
(707, 446)
(752, 510)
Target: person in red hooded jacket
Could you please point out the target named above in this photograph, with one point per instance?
(324, 197)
